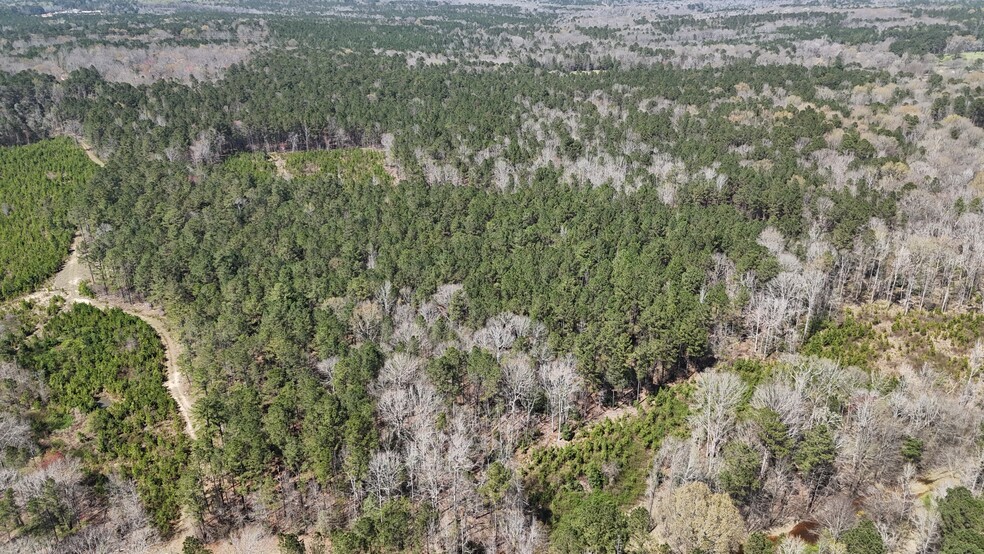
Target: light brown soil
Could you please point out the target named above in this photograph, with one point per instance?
(89, 151)
(66, 284)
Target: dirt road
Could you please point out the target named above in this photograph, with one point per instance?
(66, 284)
(91, 152)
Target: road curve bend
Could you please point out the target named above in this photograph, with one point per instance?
(66, 284)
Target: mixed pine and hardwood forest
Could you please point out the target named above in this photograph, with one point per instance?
(676, 277)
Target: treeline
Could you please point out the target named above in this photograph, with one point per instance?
(273, 277)
(924, 39)
(261, 104)
(787, 29)
(38, 184)
(27, 107)
(426, 118)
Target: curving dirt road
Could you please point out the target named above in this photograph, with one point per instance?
(66, 284)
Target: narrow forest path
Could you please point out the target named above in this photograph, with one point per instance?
(91, 152)
(66, 284)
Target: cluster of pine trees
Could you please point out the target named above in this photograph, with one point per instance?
(38, 184)
(93, 449)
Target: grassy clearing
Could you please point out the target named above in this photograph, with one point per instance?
(349, 164)
(613, 455)
(879, 337)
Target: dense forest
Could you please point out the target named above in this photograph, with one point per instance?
(436, 277)
(37, 186)
(623, 264)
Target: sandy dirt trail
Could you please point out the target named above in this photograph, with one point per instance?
(66, 284)
(91, 152)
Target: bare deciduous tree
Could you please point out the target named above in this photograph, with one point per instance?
(14, 433)
(365, 321)
(520, 533)
(498, 335)
(713, 412)
(383, 478)
(248, 540)
(560, 382)
(520, 381)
